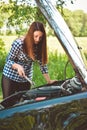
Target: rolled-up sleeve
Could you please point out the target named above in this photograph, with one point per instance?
(12, 56)
(43, 68)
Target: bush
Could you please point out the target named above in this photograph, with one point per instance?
(60, 67)
(2, 54)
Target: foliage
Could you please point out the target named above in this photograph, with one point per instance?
(58, 64)
(2, 54)
(61, 3)
(0, 87)
(77, 22)
(85, 53)
(17, 15)
(56, 67)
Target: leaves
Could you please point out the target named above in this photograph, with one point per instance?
(2, 54)
(17, 15)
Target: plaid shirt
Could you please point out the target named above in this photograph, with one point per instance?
(16, 55)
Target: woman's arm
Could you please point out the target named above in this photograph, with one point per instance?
(44, 70)
(13, 57)
(13, 54)
(47, 78)
(19, 69)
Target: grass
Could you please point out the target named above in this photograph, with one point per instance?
(0, 87)
(52, 43)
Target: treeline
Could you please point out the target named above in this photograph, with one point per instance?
(15, 19)
(77, 22)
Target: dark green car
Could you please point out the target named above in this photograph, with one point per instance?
(59, 106)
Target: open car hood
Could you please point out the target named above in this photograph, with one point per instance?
(65, 37)
(58, 106)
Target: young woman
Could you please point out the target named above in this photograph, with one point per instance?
(19, 63)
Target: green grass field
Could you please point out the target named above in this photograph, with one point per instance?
(52, 43)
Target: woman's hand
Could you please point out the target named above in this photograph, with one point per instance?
(19, 68)
(52, 81)
(47, 77)
(21, 71)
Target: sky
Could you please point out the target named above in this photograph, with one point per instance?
(78, 4)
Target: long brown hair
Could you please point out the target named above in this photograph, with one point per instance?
(29, 42)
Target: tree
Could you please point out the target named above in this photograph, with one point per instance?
(77, 22)
(83, 30)
(17, 15)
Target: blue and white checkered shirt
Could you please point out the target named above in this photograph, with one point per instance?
(16, 55)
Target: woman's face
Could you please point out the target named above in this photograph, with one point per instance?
(38, 35)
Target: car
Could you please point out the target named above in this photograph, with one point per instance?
(58, 106)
